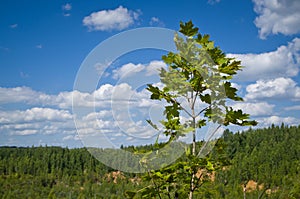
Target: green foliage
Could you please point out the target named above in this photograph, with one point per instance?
(270, 157)
(198, 75)
(55, 172)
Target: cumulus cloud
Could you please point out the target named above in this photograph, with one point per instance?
(279, 88)
(132, 69)
(118, 19)
(276, 120)
(34, 115)
(255, 109)
(127, 69)
(25, 95)
(285, 61)
(102, 97)
(277, 16)
(154, 66)
(121, 113)
(35, 120)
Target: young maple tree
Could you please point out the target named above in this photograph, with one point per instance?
(197, 87)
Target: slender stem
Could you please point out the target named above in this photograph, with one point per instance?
(143, 188)
(192, 186)
(192, 183)
(184, 109)
(202, 111)
(194, 100)
(196, 184)
(194, 126)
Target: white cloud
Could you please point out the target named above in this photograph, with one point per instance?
(285, 61)
(132, 69)
(212, 2)
(255, 109)
(36, 120)
(235, 85)
(101, 68)
(34, 115)
(71, 137)
(24, 75)
(276, 120)
(74, 98)
(155, 21)
(25, 95)
(103, 97)
(154, 66)
(277, 16)
(39, 46)
(292, 108)
(118, 19)
(121, 112)
(127, 70)
(26, 132)
(279, 88)
(67, 7)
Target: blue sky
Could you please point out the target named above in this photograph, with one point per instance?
(43, 44)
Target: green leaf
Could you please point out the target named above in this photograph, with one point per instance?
(187, 151)
(172, 111)
(188, 29)
(230, 68)
(238, 117)
(201, 123)
(206, 98)
(210, 45)
(152, 124)
(156, 93)
(231, 92)
(210, 166)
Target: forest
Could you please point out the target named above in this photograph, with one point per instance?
(260, 163)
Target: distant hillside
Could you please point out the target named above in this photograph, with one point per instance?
(264, 161)
(267, 158)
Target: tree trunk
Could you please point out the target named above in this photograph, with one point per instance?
(192, 185)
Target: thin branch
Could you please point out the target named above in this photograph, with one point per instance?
(192, 99)
(199, 185)
(196, 184)
(143, 188)
(195, 98)
(202, 111)
(175, 101)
